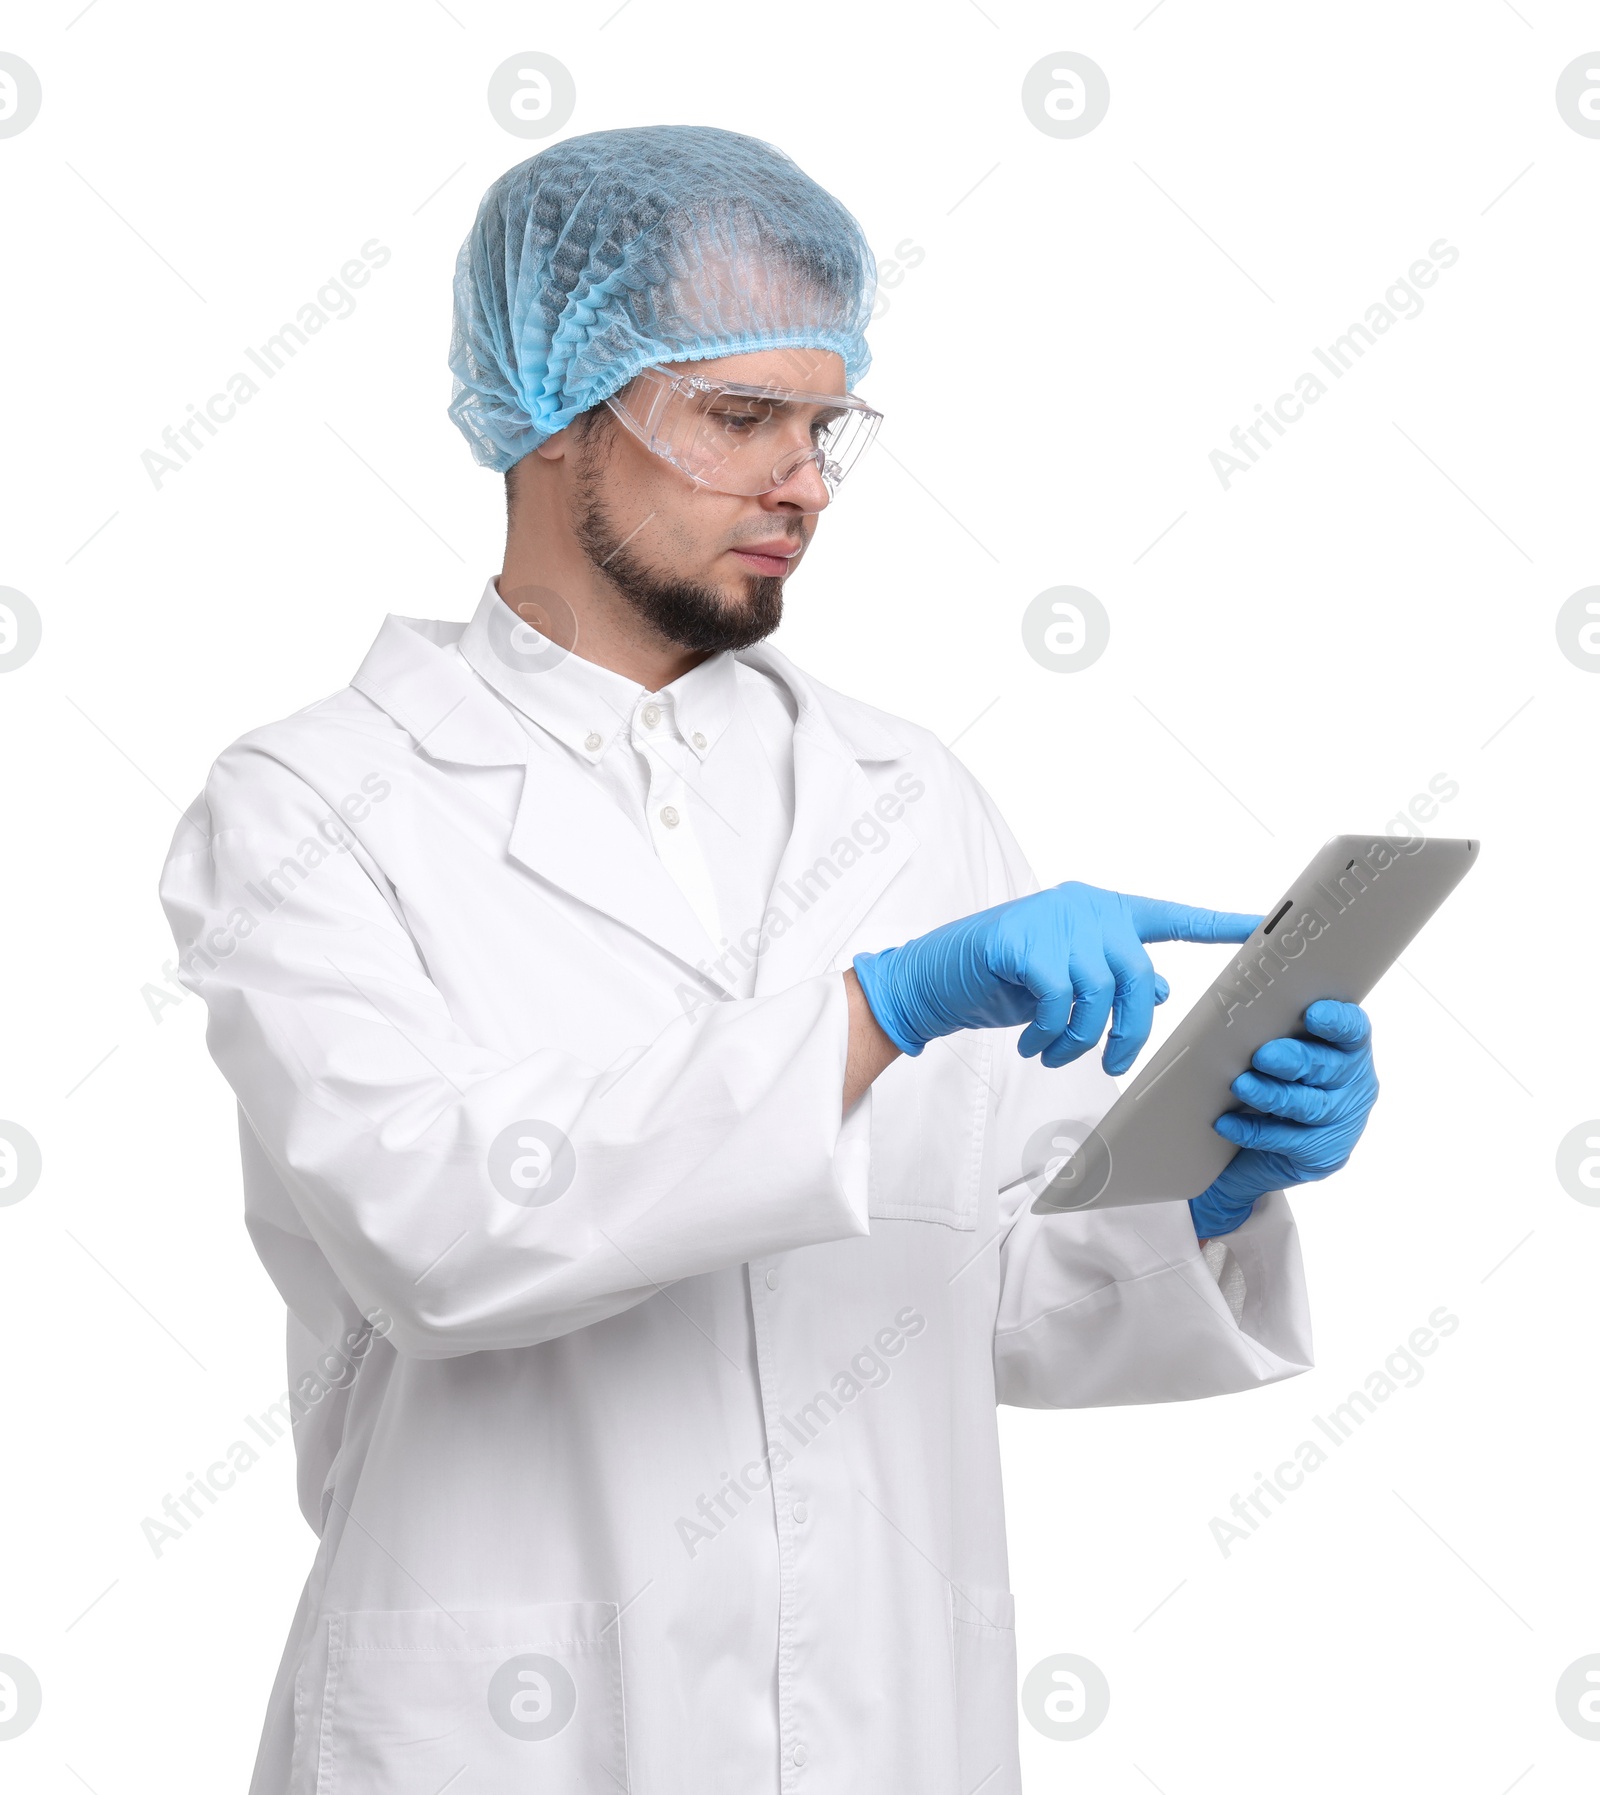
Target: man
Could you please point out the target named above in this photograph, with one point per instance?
(624, 1033)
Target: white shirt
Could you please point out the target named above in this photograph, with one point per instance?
(704, 767)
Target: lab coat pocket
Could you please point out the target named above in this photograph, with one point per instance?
(984, 1643)
(928, 1118)
(417, 1700)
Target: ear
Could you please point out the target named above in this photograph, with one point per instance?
(553, 448)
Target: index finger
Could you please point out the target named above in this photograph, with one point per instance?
(1157, 919)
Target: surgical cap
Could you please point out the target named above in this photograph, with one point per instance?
(610, 252)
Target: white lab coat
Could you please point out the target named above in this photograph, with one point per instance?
(703, 1448)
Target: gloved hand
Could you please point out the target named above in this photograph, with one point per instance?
(1065, 961)
(1307, 1103)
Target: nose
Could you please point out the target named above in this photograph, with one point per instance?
(803, 488)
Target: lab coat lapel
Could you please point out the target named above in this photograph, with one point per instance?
(831, 872)
(567, 832)
(570, 834)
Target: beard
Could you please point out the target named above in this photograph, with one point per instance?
(693, 616)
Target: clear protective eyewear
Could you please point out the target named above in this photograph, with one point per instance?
(745, 440)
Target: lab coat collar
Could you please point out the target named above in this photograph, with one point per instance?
(866, 733)
(842, 852)
(563, 835)
(436, 697)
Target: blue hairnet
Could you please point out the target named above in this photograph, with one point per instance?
(612, 251)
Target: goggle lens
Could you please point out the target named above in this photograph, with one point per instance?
(745, 440)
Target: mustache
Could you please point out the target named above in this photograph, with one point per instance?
(795, 534)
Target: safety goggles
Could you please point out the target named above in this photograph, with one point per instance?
(746, 440)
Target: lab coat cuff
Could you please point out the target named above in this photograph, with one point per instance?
(1226, 1270)
(1265, 1254)
(852, 1157)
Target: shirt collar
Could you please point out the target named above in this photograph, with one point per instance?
(582, 704)
(703, 701)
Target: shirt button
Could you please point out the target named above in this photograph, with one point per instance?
(772, 1280)
(592, 742)
(669, 816)
(698, 739)
(650, 716)
(799, 1756)
(800, 1514)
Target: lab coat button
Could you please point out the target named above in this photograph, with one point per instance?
(669, 816)
(772, 1280)
(800, 1514)
(698, 739)
(592, 742)
(799, 1757)
(650, 716)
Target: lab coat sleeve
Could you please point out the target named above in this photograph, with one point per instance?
(1122, 1305)
(716, 1142)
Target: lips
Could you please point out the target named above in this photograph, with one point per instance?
(770, 558)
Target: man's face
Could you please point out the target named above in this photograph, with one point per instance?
(705, 568)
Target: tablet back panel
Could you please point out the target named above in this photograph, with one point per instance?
(1334, 933)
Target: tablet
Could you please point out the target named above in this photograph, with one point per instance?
(1333, 933)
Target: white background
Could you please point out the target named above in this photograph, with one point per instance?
(1369, 607)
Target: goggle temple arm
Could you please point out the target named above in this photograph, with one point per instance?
(642, 422)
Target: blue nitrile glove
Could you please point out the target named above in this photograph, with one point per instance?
(1308, 1102)
(1065, 961)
